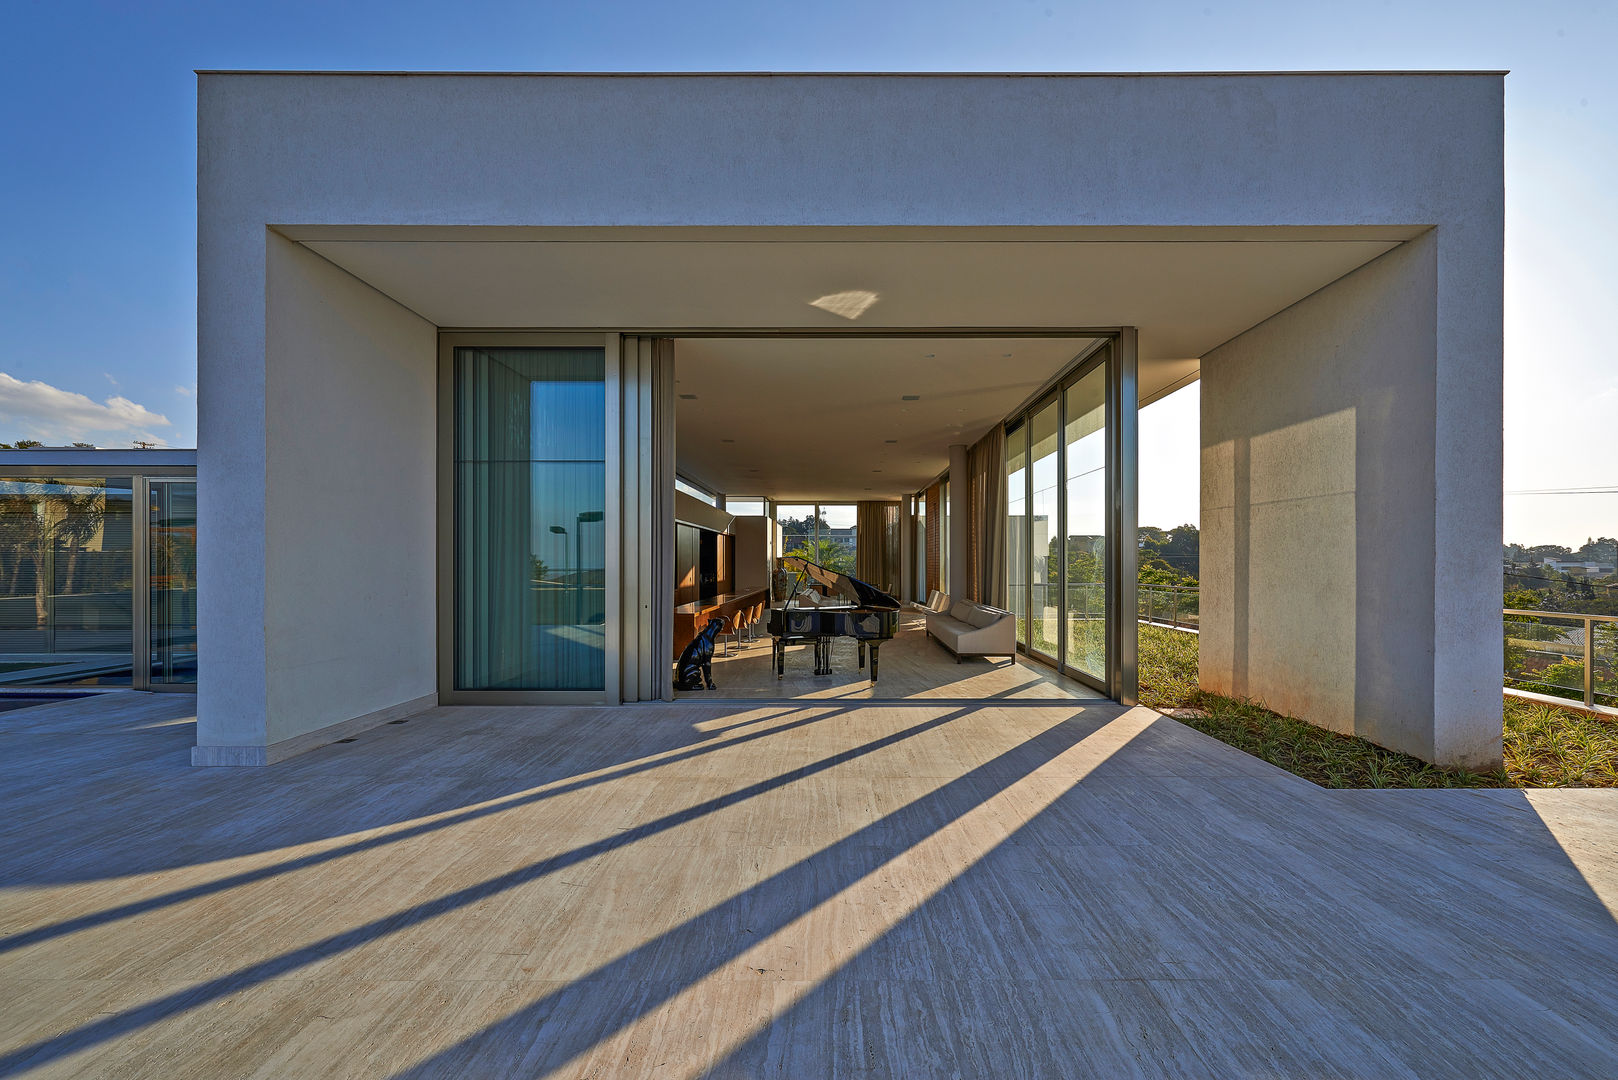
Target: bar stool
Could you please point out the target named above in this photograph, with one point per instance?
(733, 626)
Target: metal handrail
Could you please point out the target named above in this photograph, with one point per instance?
(1589, 642)
(1146, 591)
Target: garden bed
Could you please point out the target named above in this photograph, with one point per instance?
(1545, 746)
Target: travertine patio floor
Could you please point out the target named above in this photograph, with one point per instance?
(1041, 889)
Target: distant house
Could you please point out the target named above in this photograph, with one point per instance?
(1581, 569)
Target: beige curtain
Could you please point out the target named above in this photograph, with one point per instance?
(876, 551)
(935, 508)
(986, 529)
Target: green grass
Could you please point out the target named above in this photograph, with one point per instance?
(1545, 746)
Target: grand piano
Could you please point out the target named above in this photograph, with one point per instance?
(862, 611)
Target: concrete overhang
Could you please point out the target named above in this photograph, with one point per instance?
(1187, 290)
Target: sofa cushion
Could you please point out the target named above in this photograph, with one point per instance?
(962, 610)
(948, 631)
(983, 616)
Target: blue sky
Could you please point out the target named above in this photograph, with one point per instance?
(97, 263)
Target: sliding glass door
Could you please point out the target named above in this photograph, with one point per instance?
(529, 520)
(1084, 523)
(1045, 562)
(1059, 528)
(171, 523)
(1017, 527)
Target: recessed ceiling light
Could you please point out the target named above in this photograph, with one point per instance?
(688, 397)
(1005, 356)
(910, 397)
(890, 441)
(930, 356)
(868, 489)
(727, 440)
(876, 470)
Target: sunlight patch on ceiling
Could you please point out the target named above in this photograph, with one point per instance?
(849, 305)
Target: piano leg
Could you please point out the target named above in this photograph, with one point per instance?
(862, 656)
(779, 657)
(874, 646)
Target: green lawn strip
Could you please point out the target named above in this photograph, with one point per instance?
(1545, 746)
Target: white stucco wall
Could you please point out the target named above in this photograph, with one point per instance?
(352, 405)
(343, 512)
(1321, 548)
(815, 151)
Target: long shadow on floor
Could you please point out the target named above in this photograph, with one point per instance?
(963, 791)
(1191, 927)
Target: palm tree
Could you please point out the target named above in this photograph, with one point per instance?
(37, 521)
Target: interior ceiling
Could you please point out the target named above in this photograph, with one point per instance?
(796, 405)
(811, 418)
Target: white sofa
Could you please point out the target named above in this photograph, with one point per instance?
(966, 628)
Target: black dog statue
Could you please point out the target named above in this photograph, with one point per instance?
(695, 669)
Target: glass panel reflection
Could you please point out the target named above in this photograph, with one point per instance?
(66, 581)
(1085, 514)
(1017, 528)
(173, 543)
(1046, 547)
(838, 538)
(530, 539)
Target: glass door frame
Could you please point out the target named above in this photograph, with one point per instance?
(448, 694)
(141, 478)
(141, 602)
(1122, 445)
(1116, 355)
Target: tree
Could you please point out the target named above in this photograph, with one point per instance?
(826, 552)
(44, 519)
(1526, 599)
(1178, 549)
(1602, 549)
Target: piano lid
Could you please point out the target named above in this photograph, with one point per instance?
(860, 593)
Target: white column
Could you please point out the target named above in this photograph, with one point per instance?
(1330, 518)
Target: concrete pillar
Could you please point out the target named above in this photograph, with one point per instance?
(317, 584)
(1341, 580)
(960, 574)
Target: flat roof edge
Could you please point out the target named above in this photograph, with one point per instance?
(1496, 72)
(109, 458)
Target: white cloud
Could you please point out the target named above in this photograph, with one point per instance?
(183, 391)
(38, 410)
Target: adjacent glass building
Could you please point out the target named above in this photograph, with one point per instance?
(98, 569)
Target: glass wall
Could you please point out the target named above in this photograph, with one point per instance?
(1017, 527)
(1085, 523)
(799, 526)
(838, 538)
(1045, 560)
(826, 534)
(1059, 507)
(943, 536)
(66, 581)
(695, 492)
(530, 544)
(172, 581)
